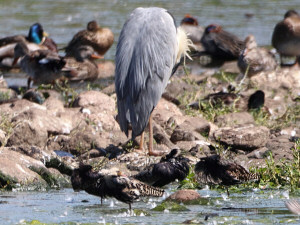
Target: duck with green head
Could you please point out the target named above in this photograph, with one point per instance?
(36, 39)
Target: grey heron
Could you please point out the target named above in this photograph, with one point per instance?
(148, 52)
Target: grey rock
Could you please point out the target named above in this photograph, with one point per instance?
(233, 119)
(246, 137)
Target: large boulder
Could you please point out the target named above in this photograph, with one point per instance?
(246, 137)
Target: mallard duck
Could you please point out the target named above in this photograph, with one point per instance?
(171, 167)
(36, 39)
(214, 170)
(190, 25)
(123, 188)
(82, 67)
(99, 38)
(42, 66)
(286, 35)
(254, 59)
(221, 44)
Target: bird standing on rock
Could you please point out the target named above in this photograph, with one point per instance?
(123, 188)
(148, 50)
(221, 44)
(99, 38)
(171, 167)
(286, 35)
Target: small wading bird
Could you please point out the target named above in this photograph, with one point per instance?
(214, 170)
(171, 167)
(42, 66)
(148, 52)
(99, 38)
(36, 39)
(123, 188)
(254, 59)
(221, 44)
(286, 35)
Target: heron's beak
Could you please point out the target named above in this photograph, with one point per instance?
(45, 34)
(94, 56)
(15, 61)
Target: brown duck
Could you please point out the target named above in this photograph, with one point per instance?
(286, 35)
(99, 38)
(81, 67)
(42, 66)
(254, 59)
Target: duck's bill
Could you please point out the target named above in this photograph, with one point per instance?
(94, 56)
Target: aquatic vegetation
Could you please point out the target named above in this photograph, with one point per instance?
(284, 173)
(170, 206)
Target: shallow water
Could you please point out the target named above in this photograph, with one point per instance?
(65, 206)
(63, 18)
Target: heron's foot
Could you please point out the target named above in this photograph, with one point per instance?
(156, 152)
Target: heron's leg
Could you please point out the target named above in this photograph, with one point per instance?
(129, 206)
(101, 201)
(150, 150)
(142, 141)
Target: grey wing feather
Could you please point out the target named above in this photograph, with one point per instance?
(144, 60)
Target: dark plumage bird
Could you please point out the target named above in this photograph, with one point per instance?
(81, 67)
(36, 39)
(254, 59)
(286, 35)
(214, 170)
(99, 38)
(256, 100)
(171, 167)
(221, 44)
(125, 189)
(42, 66)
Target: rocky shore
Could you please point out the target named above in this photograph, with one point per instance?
(201, 113)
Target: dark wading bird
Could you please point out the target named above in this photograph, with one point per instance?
(214, 170)
(125, 189)
(221, 44)
(148, 52)
(286, 35)
(35, 40)
(171, 167)
(42, 66)
(99, 38)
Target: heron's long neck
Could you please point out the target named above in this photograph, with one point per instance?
(184, 44)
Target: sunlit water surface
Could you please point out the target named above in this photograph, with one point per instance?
(63, 18)
(65, 206)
